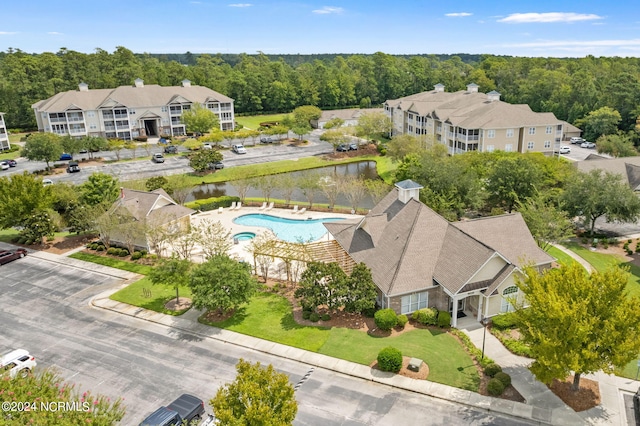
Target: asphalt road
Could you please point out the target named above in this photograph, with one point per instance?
(45, 309)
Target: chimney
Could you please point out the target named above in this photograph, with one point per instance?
(438, 88)
(83, 87)
(472, 88)
(186, 83)
(408, 189)
(493, 96)
(139, 82)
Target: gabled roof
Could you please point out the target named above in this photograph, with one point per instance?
(157, 207)
(626, 167)
(409, 247)
(346, 114)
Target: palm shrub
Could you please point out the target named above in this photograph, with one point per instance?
(386, 319)
(390, 359)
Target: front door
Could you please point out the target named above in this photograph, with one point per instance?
(461, 305)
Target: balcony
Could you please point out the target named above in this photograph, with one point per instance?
(109, 128)
(57, 120)
(174, 111)
(121, 116)
(226, 109)
(75, 119)
(122, 127)
(463, 137)
(79, 131)
(107, 115)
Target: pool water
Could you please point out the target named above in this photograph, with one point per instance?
(292, 230)
(244, 236)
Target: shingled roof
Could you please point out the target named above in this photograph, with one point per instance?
(157, 207)
(409, 247)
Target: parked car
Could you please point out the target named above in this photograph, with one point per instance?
(576, 140)
(7, 256)
(162, 140)
(83, 151)
(11, 163)
(238, 149)
(216, 166)
(73, 167)
(157, 158)
(66, 157)
(171, 149)
(565, 149)
(187, 409)
(207, 145)
(47, 182)
(353, 147)
(266, 139)
(586, 144)
(343, 147)
(4, 165)
(17, 362)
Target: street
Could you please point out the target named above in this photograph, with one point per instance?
(46, 310)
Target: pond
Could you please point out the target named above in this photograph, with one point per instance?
(363, 169)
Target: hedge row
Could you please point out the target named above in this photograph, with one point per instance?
(212, 203)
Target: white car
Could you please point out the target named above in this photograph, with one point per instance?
(4, 165)
(238, 149)
(17, 362)
(565, 149)
(574, 140)
(207, 145)
(47, 182)
(586, 144)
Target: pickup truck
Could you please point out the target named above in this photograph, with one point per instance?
(187, 409)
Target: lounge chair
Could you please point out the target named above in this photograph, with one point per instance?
(270, 206)
(233, 206)
(219, 210)
(302, 210)
(264, 206)
(295, 209)
(238, 206)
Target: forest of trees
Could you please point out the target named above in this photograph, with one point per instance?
(568, 87)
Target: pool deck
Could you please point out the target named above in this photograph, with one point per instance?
(239, 250)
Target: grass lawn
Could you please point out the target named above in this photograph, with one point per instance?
(268, 316)
(134, 295)
(561, 256)
(6, 235)
(253, 121)
(114, 263)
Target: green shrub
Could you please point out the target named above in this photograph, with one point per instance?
(28, 242)
(444, 319)
(390, 359)
(516, 346)
(136, 255)
(369, 312)
(123, 252)
(492, 369)
(306, 314)
(314, 317)
(113, 251)
(504, 321)
(386, 319)
(325, 317)
(100, 248)
(495, 387)
(212, 203)
(504, 378)
(428, 316)
(402, 320)
(471, 348)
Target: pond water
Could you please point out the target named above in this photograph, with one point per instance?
(364, 169)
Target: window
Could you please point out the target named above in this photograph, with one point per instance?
(549, 130)
(508, 147)
(547, 144)
(509, 133)
(490, 148)
(414, 301)
(163, 109)
(508, 295)
(530, 145)
(91, 114)
(132, 111)
(532, 130)
(491, 134)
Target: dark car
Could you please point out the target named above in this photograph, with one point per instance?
(216, 166)
(266, 139)
(73, 167)
(171, 149)
(66, 157)
(7, 256)
(343, 147)
(353, 147)
(187, 409)
(11, 163)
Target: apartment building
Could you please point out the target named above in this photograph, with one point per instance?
(473, 121)
(4, 135)
(127, 112)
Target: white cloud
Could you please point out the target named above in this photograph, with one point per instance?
(328, 10)
(577, 45)
(54, 33)
(458, 14)
(240, 5)
(8, 32)
(521, 18)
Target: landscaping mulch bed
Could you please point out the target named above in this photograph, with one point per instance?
(421, 374)
(218, 316)
(172, 305)
(586, 397)
(60, 245)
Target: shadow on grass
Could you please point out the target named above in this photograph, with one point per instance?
(289, 323)
(237, 318)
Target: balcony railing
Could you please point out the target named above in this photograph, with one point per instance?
(121, 127)
(57, 120)
(75, 119)
(463, 137)
(121, 116)
(78, 131)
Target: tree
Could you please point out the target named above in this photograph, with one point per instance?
(116, 145)
(374, 124)
(242, 187)
(157, 182)
(309, 185)
(377, 189)
(354, 189)
(201, 160)
(48, 387)
(513, 179)
(603, 121)
(287, 185)
(179, 187)
(173, 272)
(221, 284)
(401, 145)
(213, 238)
(360, 292)
(37, 226)
(257, 396)
(548, 225)
(578, 322)
(20, 195)
(618, 145)
(335, 122)
(100, 188)
(303, 115)
(331, 186)
(199, 119)
(259, 247)
(70, 145)
(266, 184)
(598, 193)
(94, 144)
(42, 147)
(322, 284)
(335, 137)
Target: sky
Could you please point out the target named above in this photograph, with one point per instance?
(517, 28)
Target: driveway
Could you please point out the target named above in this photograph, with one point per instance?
(46, 311)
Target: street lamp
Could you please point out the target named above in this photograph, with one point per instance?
(484, 323)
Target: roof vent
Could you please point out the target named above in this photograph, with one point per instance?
(472, 88)
(139, 82)
(186, 83)
(438, 88)
(83, 87)
(493, 96)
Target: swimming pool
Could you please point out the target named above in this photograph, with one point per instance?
(244, 236)
(292, 230)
